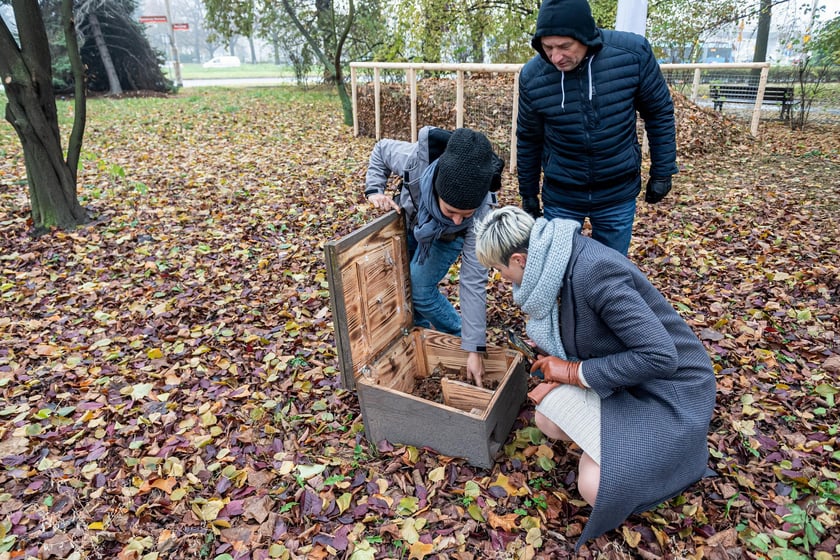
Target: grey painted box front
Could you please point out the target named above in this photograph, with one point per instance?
(382, 356)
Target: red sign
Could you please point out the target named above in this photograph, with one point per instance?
(152, 19)
(180, 26)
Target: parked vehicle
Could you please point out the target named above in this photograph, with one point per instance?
(223, 62)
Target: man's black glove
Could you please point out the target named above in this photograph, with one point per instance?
(531, 204)
(657, 188)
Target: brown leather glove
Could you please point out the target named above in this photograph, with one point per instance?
(558, 370)
(538, 393)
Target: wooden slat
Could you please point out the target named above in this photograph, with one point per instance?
(464, 396)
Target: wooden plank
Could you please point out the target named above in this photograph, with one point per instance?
(464, 396)
(396, 369)
(408, 420)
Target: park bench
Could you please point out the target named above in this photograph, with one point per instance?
(746, 94)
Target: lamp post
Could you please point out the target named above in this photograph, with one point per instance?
(175, 60)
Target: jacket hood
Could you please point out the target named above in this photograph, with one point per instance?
(566, 18)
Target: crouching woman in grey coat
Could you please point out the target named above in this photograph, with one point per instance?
(625, 377)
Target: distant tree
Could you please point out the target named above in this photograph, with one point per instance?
(678, 28)
(323, 28)
(339, 28)
(818, 53)
(826, 44)
(26, 72)
(115, 48)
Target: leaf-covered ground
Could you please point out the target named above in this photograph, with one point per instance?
(169, 373)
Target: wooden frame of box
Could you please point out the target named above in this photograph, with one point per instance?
(382, 355)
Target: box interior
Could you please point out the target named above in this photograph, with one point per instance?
(370, 297)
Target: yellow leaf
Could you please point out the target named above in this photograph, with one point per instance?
(209, 510)
(545, 451)
(408, 532)
(504, 522)
(308, 471)
(534, 537)
(420, 550)
(529, 522)
(503, 482)
(472, 489)
(96, 526)
(407, 505)
(137, 392)
(631, 537)
(154, 354)
(437, 474)
(208, 419)
(411, 455)
(165, 484)
(475, 512)
(46, 350)
(343, 502)
(363, 551)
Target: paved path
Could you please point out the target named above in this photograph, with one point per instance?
(238, 82)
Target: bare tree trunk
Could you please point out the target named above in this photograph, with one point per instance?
(762, 35)
(253, 49)
(31, 110)
(325, 19)
(113, 80)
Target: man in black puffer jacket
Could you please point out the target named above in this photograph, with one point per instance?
(577, 123)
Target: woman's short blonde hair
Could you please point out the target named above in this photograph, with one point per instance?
(503, 232)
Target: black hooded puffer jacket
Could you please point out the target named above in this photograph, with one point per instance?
(580, 126)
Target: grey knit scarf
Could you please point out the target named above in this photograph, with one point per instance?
(549, 250)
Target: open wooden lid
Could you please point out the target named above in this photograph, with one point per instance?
(370, 292)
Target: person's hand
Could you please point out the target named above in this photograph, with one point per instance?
(531, 204)
(657, 188)
(558, 370)
(475, 368)
(383, 202)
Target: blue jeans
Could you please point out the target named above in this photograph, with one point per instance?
(430, 305)
(611, 212)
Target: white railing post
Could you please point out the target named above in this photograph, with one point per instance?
(411, 76)
(515, 116)
(355, 101)
(459, 99)
(759, 99)
(695, 86)
(376, 103)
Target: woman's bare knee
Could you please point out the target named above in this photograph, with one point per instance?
(549, 428)
(589, 478)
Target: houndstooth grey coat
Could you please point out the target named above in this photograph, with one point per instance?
(654, 378)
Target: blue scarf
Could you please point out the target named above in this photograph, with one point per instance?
(431, 223)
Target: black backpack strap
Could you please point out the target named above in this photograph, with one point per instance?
(438, 138)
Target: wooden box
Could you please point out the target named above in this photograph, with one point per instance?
(384, 357)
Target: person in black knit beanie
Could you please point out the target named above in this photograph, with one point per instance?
(442, 194)
(576, 125)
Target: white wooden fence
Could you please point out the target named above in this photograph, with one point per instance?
(411, 69)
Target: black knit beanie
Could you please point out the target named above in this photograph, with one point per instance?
(566, 18)
(465, 170)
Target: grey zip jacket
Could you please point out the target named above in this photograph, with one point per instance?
(410, 160)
